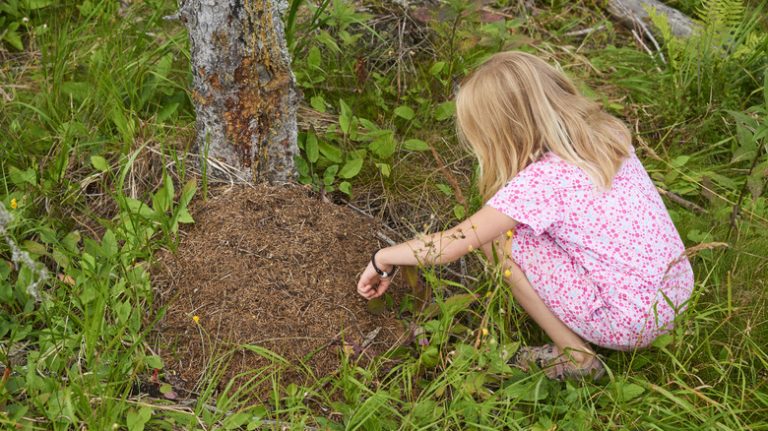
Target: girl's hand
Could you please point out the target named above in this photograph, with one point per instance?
(371, 285)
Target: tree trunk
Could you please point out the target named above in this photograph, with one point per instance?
(244, 90)
(629, 12)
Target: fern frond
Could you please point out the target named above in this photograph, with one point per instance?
(721, 15)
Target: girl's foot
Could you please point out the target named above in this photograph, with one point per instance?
(557, 366)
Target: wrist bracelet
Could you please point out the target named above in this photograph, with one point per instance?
(382, 274)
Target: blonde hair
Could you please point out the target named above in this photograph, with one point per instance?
(515, 107)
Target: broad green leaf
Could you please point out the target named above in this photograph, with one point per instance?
(154, 362)
(459, 211)
(136, 420)
(351, 168)
(346, 187)
(318, 103)
(437, 68)
(314, 58)
(236, 420)
(167, 112)
(404, 111)
(184, 216)
(330, 152)
(19, 177)
(187, 192)
(13, 39)
(445, 189)
(385, 169)
(99, 163)
(311, 147)
(415, 145)
(629, 391)
(445, 110)
(330, 174)
(345, 117)
(384, 146)
(109, 243)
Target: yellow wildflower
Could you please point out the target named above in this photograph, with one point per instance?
(196, 318)
(507, 273)
(510, 233)
(484, 331)
(14, 204)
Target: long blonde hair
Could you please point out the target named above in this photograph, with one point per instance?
(515, 107)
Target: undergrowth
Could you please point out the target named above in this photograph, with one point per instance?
(97, 123)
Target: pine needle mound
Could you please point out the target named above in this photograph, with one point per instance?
(272, 267)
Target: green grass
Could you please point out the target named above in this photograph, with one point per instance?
(97, 123)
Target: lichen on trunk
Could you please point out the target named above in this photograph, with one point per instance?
(244, 90)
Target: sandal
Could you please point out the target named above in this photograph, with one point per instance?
(555, 365)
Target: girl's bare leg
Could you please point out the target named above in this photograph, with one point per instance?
(564, 338)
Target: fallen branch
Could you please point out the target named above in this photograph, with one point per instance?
(630, 12)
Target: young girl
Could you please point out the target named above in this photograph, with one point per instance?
(587, 246)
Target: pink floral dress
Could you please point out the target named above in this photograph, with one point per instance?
(609, 264)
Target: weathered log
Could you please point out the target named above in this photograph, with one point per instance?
(632, 12)
(244, 91)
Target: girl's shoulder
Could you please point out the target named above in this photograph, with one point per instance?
(554, 172)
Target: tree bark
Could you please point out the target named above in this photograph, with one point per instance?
(629, 12)
(244, 91)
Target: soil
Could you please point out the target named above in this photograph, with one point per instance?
(273, 267)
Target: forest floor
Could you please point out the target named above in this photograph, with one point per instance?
(137, 309)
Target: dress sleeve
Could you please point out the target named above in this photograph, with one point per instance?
(532, 197)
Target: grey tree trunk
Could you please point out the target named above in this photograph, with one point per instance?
(244, 90)
(629, 12)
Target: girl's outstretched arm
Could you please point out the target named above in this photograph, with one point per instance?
(435, 249)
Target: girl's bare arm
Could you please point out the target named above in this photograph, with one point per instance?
(439, 248)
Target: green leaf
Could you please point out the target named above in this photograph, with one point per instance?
(13, 39)
(437, 68)
(346, 187)
(629, 391)
(99, 163)
(71, 240)
(415, 145)
(445, 110)
(153, 362)
(236, 420)
(184, 216)
(317, 103)
(19, 177)
(187, 192)
(345, 117)
(314, 58)
(167, 112)
(330, 174)
(405, 112)
(680, 161)
(459, 212)
(38, 4)
(135, 421)
(384, 146)
(445, 189)
(385, 169)
(311, 147)
(330, 152)
(351, 168)
(109, 243)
